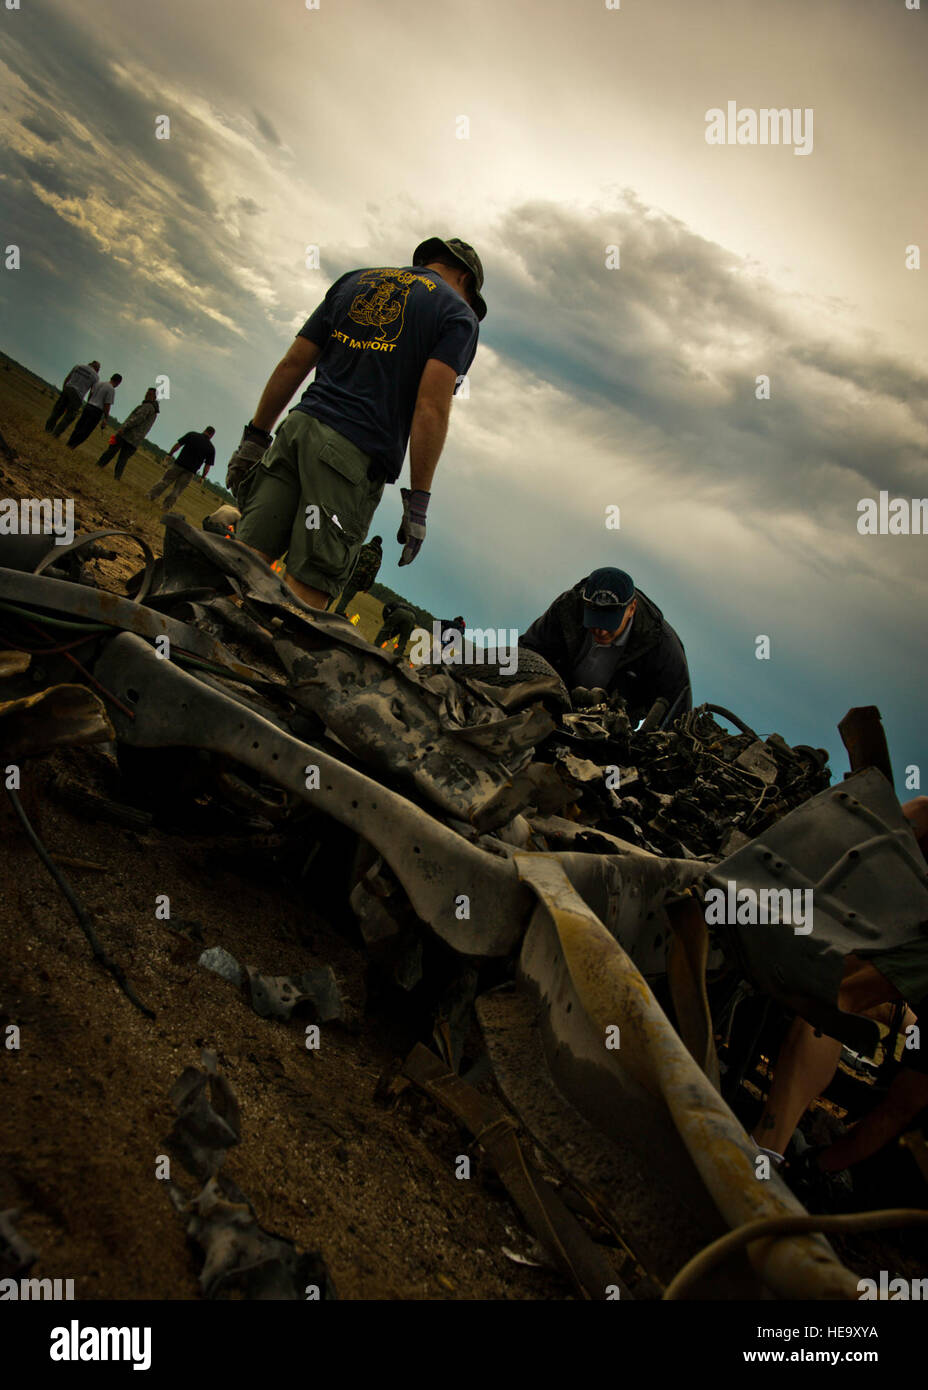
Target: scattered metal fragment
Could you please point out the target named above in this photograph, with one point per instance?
(864, 737)
(219, 960)
(97, 807)
(13, 663)
(276, 996)
(242, 1258)
(239, 1255)
(58, 717)
(16, 1254)
(208, 1118)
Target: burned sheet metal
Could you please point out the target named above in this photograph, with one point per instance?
(414, 733)
(58, 717)
(438, 869)
(853, 850)
(314, 992)
(655, 1219)
(111, 610)
(627, 893)
(240, 1256)
(208, 1119)
(16, 1254)
(452, 743)
(648, 1087)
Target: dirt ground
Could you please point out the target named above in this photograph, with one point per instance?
(84, 1106)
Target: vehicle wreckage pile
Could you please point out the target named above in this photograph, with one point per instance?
(491, 813)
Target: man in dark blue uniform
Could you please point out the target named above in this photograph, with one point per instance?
(389, 346)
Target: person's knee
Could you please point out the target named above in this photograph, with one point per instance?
(863, 986)
(916, 813)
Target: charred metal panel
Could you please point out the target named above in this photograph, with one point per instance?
(852, 846)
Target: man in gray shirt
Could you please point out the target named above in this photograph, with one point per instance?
(77, 383)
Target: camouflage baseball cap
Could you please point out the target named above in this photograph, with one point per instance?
(461, 251)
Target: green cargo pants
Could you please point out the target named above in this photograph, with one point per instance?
(312, 500)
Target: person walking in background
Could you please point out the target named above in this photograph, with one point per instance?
(131, 433)
(95, 411)
(196, 450)
(367, 566)
(77, 383)
(398, 622)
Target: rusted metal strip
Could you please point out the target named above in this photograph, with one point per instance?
(686, 974)
(864, 737)
(561, 1234)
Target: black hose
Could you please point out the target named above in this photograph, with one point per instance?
(732, 719)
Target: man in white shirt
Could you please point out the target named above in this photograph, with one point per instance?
(96, 410)
(77, 383)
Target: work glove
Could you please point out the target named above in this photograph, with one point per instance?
(246, 458)
(412, 528)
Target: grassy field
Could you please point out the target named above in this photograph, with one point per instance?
(46, 467)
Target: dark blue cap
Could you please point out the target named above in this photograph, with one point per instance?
(606, 595)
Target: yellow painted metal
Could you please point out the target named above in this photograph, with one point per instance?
(611, 991)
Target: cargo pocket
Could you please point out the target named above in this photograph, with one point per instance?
(343, 489)
(331, 549)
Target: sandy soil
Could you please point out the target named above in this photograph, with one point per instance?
(84, 1105)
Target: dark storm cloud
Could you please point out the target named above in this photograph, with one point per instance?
(128, 213)
(46, 129)
(670, 345)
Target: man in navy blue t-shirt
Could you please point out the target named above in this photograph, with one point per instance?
(389, 346)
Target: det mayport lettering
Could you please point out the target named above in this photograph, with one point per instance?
(357, 343)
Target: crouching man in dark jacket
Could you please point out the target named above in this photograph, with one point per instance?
(605, 633)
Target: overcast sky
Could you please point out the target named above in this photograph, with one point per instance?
(593, 386)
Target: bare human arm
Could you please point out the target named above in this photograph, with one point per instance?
(289, 374)
(430, 422)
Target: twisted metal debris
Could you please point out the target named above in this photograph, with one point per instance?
(471, 792)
